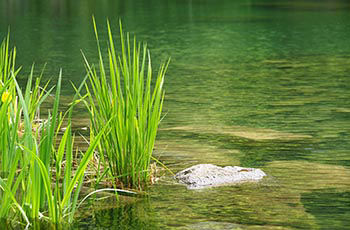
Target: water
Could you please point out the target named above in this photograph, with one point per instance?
(240, 72)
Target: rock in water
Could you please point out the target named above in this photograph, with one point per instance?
(208, 175)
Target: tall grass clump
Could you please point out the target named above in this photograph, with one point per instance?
(52, 185)
(126, 93)
(7, 91)
(37, 177)
(10, 155)
(15, 170)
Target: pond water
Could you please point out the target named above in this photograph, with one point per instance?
(255, 83)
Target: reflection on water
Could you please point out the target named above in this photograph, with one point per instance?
(254, 83)
(331, 208)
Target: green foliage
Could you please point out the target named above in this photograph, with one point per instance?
(9, 124)
(37, 177)
(35, 174)
(124, 92)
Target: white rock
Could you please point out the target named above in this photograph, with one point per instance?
(208, 175)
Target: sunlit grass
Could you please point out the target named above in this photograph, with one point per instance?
(9, 123)
(40, 176)
(62, 198)
(127, 92)
(36, 160)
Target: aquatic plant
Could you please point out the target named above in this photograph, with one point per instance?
(36, 161)
(124, 92)
(62, 198)
(37, 176)
(9, 156)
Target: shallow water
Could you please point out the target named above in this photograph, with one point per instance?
(251, 83)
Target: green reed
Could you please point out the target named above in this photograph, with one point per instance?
(62, 198)
(36, 179)
(124, 92)
(9, 122)
(7, 92)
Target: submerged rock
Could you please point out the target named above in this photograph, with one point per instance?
(256, 134)
(208, 175)
(304, 176)
(212, 225)
(190, 152)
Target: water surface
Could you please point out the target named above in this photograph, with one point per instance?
(251, 83)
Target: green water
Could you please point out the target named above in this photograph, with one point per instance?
(240, 72)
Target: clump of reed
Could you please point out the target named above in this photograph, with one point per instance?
(36, 180)
(40, 174)
(125, 92)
